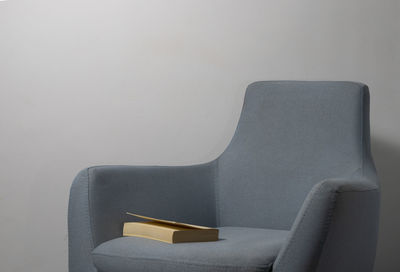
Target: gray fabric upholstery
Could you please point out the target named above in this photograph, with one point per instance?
(100, 196)
(299, 161)
(291, 135)
(334, 231)
(239, 249)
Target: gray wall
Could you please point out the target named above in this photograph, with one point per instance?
(85, 82)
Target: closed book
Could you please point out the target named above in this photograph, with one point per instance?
(169, 231)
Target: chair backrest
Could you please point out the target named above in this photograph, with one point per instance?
(291, 135)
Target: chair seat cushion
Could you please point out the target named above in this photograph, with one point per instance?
(239, 249)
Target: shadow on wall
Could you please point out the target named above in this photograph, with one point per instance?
(387, 161)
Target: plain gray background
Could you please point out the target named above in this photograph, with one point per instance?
(162, 82)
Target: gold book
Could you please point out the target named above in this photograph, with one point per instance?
(169, 231)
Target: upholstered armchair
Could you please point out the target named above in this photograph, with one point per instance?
(295, 191)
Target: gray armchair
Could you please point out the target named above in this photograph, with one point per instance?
(295, 191)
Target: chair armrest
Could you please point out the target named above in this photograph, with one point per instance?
(335, 229)
(100, 197)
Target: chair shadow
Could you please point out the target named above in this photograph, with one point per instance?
(387, 160)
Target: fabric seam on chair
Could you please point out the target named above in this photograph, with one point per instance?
(357, 191)
(180, 262)
(361, 129)
(327, 223)
(216, 189)
(90, 208)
